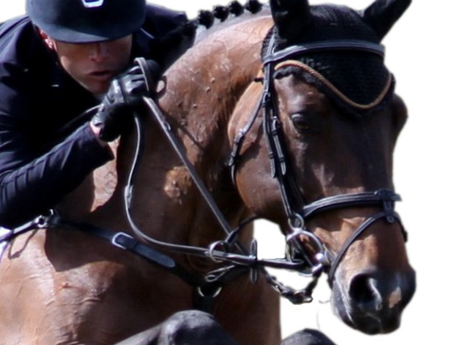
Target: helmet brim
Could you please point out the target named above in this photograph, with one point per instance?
(71, 35)
(74, 21)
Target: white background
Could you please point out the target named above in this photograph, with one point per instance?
(422, 52)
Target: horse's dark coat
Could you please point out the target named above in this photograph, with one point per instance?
(190, 327)
(193, 327)
(308, 337)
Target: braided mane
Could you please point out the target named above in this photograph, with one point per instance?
(207, 18)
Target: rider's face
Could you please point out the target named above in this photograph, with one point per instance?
(93, 65)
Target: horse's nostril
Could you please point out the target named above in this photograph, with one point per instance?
(364, 293)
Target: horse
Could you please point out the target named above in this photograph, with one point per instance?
(286, 113)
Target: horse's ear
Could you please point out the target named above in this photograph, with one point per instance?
(291, 18)
(382, 14)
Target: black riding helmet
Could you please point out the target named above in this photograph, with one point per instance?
(85, 21)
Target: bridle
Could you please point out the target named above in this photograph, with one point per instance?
(298, 213)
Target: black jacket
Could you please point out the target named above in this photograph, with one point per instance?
(37, 99)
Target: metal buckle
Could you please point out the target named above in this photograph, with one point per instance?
(43, 220)
(320, 255)
(213, 294)
(118, 235)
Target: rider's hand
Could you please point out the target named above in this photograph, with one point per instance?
(124, 95)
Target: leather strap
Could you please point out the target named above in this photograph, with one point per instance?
(378, 197)
(329, 45)
(127, 242)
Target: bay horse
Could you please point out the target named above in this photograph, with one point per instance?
(287, 114)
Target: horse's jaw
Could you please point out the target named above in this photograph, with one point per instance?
(373, 304)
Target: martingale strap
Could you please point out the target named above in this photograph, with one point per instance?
(118, 239)
(206, 287)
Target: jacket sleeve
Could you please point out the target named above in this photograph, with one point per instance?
(34, 187)
(32, 179)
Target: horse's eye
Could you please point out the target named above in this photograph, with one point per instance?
(301, 123)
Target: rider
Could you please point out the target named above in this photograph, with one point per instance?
(62, 58)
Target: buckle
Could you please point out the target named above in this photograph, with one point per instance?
(120, 235)
(212, 293)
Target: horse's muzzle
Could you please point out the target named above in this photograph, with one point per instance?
(373, 302)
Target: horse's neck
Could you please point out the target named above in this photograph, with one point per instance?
(202, 90)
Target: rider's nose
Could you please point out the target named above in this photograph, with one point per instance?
(99, 52)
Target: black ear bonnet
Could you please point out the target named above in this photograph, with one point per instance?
(360, 76)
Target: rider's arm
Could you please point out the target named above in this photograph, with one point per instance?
(32, 180)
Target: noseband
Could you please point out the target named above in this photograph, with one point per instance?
(297, 211)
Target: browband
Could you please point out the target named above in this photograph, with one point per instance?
(348, 45)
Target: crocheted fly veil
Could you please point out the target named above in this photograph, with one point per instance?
(357, 81)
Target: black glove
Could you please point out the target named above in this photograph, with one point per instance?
(124, 95)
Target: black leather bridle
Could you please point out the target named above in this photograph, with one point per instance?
(297, 211)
